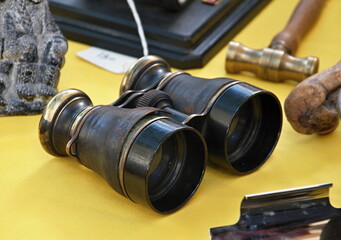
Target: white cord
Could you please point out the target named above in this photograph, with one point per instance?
(139, 26)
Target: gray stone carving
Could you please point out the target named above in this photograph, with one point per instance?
(32, 51)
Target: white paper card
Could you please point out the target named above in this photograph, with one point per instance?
(111, 61)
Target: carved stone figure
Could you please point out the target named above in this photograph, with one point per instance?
(32, 51)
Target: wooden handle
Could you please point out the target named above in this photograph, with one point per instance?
(311, 107)
(303, 18)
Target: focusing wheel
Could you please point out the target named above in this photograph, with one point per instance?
(155, 98)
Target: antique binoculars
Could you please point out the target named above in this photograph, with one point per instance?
(240, 123)
(148, 158)
(150, 144)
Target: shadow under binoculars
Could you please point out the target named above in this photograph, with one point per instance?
(240, 122)
(148, 158)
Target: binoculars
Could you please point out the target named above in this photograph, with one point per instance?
(240, 123)
(150, 144)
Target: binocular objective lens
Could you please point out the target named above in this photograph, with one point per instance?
(246, 123)
(172, 166)
(166, 166)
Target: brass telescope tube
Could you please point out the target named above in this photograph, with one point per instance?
(240, 122)
(150, 159)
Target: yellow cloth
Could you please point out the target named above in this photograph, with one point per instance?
(44, 197)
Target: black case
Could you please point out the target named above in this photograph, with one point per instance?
(188, 38)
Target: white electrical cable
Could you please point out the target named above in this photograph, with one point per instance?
(132, 6)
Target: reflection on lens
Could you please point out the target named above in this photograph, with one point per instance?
(243, 129)
(252, 140)
(166, 167)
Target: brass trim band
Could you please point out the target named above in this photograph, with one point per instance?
(77, 127)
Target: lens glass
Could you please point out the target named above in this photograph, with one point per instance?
(166, 166)
(243, 129)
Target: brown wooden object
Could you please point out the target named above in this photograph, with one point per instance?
(301, 21)
(312, 105)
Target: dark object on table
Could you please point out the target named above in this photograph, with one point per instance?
(276, 62)
(148, 158)
(298, 213)
(32, 53)
(241, 123)
(174, 5)
(188, 38)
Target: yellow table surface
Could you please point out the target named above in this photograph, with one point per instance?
(44, 197)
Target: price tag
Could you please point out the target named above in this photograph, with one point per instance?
(108, 60)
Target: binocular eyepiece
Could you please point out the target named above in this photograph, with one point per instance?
(148, 158)
(240, 123)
